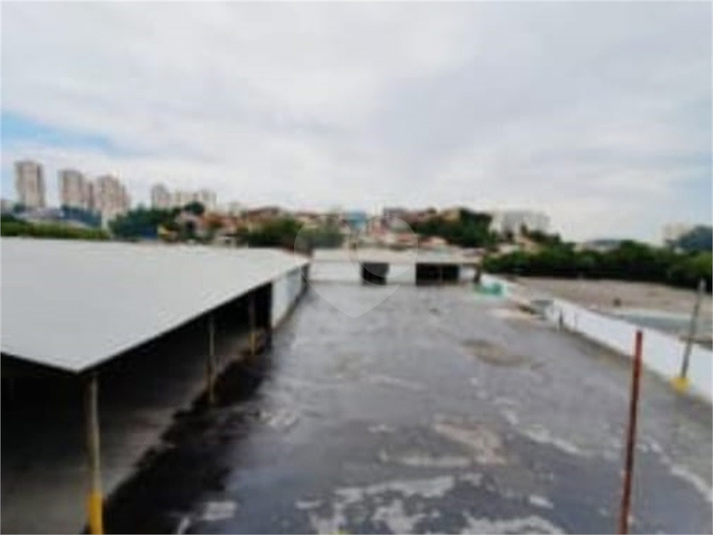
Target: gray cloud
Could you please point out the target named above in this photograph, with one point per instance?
(598, 113)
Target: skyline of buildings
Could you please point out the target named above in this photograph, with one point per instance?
(108, 197)
(76, 190)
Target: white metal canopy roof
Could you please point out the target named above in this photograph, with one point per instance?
(74, 304)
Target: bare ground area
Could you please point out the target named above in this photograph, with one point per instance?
(602, 293)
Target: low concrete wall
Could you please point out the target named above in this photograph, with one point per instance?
(400, 273)
(286, 289)
(662, 353)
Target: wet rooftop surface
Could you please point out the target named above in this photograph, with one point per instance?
(438, 410)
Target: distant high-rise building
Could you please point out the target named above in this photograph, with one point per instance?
(30, 184)
(73, 189)
(515, 220)
(182, 198)
(90, 196)
(111, 198)
(208, 199)
(674, 231)
(235, 208)
(160, 197)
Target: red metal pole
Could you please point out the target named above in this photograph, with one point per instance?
(631, 437)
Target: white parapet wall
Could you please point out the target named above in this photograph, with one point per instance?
(286, 289)
(662, 353)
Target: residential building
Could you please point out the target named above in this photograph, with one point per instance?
(182, 198)
(208, 199)
(264, 213)
(390, 213)
(356, 219)
(672, 232)
(376, 227)
(160, 197)
(235, 209)
(73, 189)
(451, 214)
(515, 220)
(421, 216)
(395, 218)
(111, 198)
(30, 184)
(257, 217)
(90, 196)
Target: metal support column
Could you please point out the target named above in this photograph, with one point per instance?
(251, 312)
(210, 364)
(631, 436)
(95, 499)
(680, 383)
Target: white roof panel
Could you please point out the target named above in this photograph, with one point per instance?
(74, 304)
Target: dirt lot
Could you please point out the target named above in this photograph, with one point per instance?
(634, 295)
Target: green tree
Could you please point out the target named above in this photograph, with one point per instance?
(698, 239)
(276, 233)
(49, 230)
(142, 222)
(195, 208)
(472, 229)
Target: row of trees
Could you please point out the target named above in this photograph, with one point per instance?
(143, 222)
(471, 229)
(11, 226)
(629, 261)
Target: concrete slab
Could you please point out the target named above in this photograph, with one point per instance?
(417, 417)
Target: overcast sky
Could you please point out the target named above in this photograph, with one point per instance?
(598, 114)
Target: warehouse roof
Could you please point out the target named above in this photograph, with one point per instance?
(74, 304)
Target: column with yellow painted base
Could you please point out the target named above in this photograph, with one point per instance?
(95, 505)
